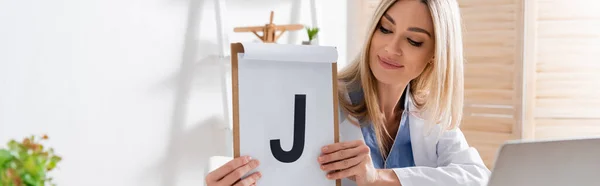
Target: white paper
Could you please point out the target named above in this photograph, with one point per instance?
(267, 89)
(290, 52)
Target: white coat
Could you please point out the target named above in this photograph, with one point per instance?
(445, 160)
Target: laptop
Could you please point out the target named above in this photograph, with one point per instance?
(548, 163)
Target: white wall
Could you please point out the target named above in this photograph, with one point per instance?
(126, 89)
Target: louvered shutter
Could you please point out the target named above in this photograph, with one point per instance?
(492, 51)
(567, 93)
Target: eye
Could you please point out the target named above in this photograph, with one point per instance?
(414, 43)
(383, 30)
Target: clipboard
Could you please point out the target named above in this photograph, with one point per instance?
(278, 53)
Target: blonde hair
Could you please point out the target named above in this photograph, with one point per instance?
(437, 92)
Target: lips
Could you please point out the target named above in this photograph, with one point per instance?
(388, 64)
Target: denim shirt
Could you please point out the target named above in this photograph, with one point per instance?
(400, 154)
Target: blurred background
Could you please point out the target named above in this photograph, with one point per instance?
(136, 92)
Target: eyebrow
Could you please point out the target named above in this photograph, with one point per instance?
(414, 29)
(389, 18)
(417, 29)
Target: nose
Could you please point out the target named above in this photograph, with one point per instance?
(393, 48)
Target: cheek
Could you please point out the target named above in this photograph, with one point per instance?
(378, 43)
(377, 46)
(416, 64)
(417, 58)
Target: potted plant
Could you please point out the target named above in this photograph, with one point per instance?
(27, 163)
(312, 35)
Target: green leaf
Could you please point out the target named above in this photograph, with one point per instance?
(3, 177)
(51, 165)
(41, 173)
(13, 145)
(312, 33)
(53, 161)
(31, 167)
(29, 180)
(32, 181)
(56, 159)
(5, 156)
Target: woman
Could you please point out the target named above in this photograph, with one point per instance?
(402, 102)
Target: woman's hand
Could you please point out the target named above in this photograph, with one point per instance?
(231, 173)
(349, 160)
(352, 160)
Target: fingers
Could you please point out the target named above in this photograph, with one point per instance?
(343, 154)
(344, 173)
(344, 164)
(340, 146)
(250, 180)
(222, 171)
(343, 160)
(235, 175)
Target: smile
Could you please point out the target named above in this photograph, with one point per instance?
(387, 64)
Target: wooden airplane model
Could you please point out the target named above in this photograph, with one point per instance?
(269, 30)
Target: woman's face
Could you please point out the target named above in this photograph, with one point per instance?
(403, 43)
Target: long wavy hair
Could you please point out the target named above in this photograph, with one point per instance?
(437, 93)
